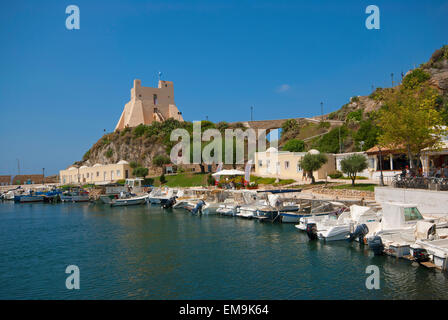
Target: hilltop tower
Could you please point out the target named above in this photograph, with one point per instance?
(149, 104)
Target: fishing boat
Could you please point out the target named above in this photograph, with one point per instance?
(31, 196)
(75, 196)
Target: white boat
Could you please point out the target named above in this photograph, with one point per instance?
(9, 195)
(129, 200)
(160, 195)
(399, 228)
(329, 210)
(339, 229)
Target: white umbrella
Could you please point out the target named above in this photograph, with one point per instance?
(229, 173)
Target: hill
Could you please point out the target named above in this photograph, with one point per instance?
(357, 132)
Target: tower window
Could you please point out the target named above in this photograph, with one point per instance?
(155, 99)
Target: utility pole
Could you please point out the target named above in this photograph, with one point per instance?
(392, 76)
(18, 167)
(340, 145)
(381, 168)
(322, 111)
(43, 175)
(251, 113)
(373, 88)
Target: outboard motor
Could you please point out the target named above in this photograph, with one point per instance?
(376, 244)
(198, 207)
(169, 203)
(360, 232)
(420, 255)
(311, 231)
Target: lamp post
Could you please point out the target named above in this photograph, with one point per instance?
(381, 168)
(322, 111)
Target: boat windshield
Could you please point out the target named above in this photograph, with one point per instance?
(412, 214)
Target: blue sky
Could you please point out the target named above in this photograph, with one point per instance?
(59, 88)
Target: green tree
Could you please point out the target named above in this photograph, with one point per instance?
(290, 125)
(294, 145)
(134, 164)
(160, 160)
(409, 120)
(352, 165)
(313, 162)
(140, 172)
(329, 142)
(162, 178)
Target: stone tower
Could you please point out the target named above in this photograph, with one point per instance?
(149, 104)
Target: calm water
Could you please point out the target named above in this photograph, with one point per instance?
(146, 253)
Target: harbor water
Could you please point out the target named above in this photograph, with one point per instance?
(144, 252)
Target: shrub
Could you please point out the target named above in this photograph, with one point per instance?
(355, 115)
(160, 160)
(148, 182)
(162, 179)
(415, 78)
(86, 155)
(140, 172)
(210, 180)
(336, 175)
(294, 145)
(109, 153)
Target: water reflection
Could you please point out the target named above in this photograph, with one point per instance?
(144, 252)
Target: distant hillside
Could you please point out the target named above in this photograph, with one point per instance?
(357, 132)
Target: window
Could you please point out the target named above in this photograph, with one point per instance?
(118, 173)
(286, 165)
(155, 99)
(260, 163)
(412, 214)
(126, 174)
(87, 175)
(97, 173)
(299, 167)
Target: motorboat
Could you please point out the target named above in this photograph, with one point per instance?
(324, 210)
(129, 199)
(330, 229)
(401, 225)
(75, 196)
(161, 195)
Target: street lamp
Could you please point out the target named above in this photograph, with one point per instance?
(322, 110)
(381, 168)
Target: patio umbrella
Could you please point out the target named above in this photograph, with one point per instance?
(229, 173)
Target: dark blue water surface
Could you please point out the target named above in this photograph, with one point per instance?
(145, 253)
